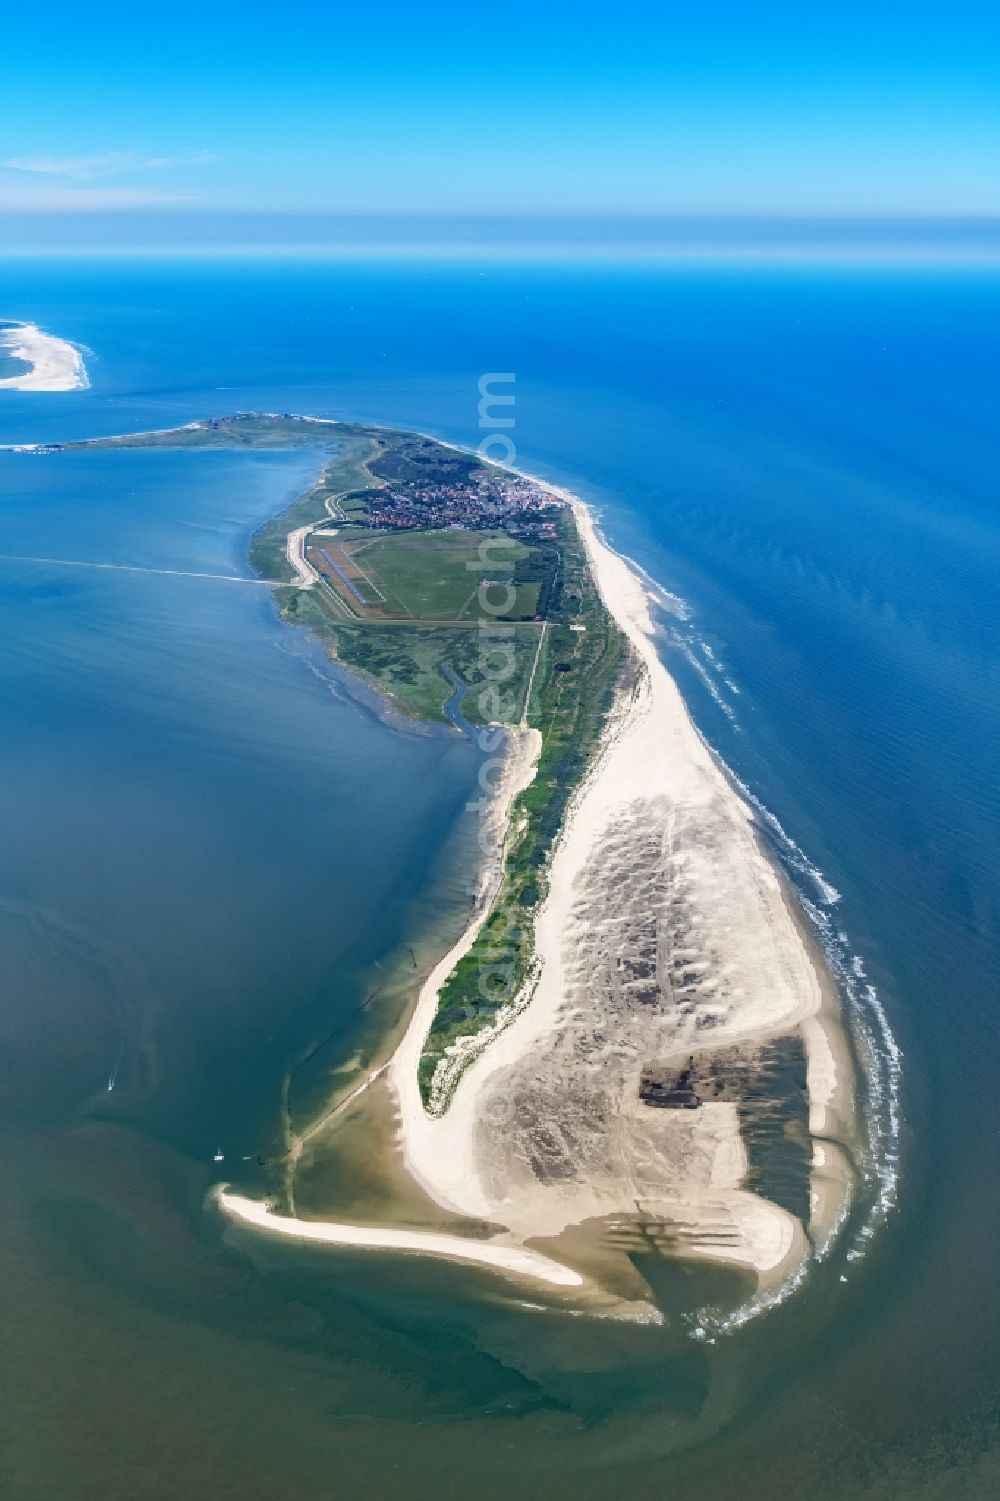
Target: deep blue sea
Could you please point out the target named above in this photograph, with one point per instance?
(208, 849)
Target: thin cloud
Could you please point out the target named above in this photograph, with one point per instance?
(110, 164)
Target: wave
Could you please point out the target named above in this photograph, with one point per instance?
(878, 1053)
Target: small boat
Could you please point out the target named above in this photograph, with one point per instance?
(219, 1155)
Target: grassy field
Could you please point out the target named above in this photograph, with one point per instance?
(432, 575)
(404, 659)
(412, 626)
(435, 575)
(573, 690)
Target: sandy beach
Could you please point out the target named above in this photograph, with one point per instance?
(667, 939)
(55, 364)
(668, 946)
(545, 1130)
(603, 1110)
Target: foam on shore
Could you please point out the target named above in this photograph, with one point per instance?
(651, 745)
(650, 750)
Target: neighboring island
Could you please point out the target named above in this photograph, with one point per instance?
(31, 360)
(634, 1044)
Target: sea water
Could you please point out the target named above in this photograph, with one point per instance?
(208, 850)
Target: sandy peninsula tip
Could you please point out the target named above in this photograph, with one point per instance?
(51, 364)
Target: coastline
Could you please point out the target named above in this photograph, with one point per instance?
(520, 761)
(498, 1254)
(441, 1153)
(830, 1072)
(55, 364)
(652, 777)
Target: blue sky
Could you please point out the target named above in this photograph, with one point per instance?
(499, 106)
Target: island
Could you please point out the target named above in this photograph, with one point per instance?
(31, 360)
(635, 1026)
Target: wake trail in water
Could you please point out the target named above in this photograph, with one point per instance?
(182, 573)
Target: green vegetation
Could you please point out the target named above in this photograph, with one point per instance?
(341, 474)
(239, 430)
(436, 575)
(432, 575)
(403, 612)
(572, 693)
(404, 660)
(412, 459)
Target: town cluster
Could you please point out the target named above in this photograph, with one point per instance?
(484, 501)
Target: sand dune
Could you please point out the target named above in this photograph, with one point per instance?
(666, 935)
(667, 940)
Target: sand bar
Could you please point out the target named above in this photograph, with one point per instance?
(55, 364)
(516, 1260)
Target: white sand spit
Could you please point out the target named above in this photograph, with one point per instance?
(499, 1256)
(55, 364)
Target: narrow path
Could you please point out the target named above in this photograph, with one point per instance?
(531, 679)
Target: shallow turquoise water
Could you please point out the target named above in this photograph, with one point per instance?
(206, 848)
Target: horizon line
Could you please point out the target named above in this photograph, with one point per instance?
(178, 211)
